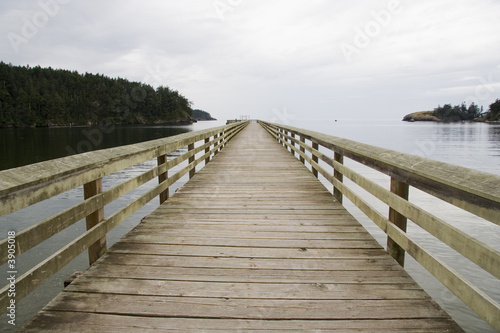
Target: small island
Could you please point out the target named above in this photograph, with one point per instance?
(457, 113)
(421, 116)
(200, 115)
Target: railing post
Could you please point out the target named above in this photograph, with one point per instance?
(339, 176)
(302, 149)
(97, 249)
(315, 159)
(207, 150)
(162, 177)
(191, 160)
(401, 189)
(216, 142)
(293, 144)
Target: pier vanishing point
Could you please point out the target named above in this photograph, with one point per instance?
(253, 241)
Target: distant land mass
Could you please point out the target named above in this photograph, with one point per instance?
(201, 115)
(41, 97)
(449, 113)
(421, 116)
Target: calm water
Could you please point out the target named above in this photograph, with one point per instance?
(21, 146)
(475, 146)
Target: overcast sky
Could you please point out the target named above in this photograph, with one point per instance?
(273, 59)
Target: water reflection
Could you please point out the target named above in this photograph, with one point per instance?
(22, 146)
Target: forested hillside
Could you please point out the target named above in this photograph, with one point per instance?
(34, 96)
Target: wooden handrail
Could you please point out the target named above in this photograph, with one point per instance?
(473, 191)
(24, 186)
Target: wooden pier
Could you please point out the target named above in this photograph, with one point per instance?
(253, 242)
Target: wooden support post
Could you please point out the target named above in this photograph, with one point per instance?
(216, 142)
(279, 136)
(302, 149)
(315, 159)
(97, 249)
(401, 189)
(293, 144)
(191, 160)
(336, 192)
(207, 160)
(162, 177)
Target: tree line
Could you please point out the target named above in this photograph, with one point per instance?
(472, 112)
(494, 112)
(35, 96)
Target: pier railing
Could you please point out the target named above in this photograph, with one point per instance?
(473, 191)
(25, 186)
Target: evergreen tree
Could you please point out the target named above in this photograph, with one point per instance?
(35, 96)
(457, 112)
(494, 111)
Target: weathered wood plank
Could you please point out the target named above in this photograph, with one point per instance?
(324, 229)
(255, 290)
(242, 235)
(65, 321)
(248, 275)
(245, 252)
(229, 308)
(304, 244)
(380, 264)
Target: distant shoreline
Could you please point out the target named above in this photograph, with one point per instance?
(428, 116)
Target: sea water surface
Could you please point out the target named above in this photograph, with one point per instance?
(472, 145)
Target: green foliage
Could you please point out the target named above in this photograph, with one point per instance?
(494, 111)
(457, 112)
(45, 97)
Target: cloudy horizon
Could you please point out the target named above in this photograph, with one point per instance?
(310, 60)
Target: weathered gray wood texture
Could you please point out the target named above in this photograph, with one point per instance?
(253, 242)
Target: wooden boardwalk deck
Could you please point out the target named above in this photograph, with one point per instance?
(252, 243)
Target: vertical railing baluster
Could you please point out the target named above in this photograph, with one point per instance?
(402, 190)
(339, 176)
(293, 144)
(207, 150)
(97, 249)
(216, 142)
(162, 177)
(191, 160)
(302, 149)
(221, 140)
(315, 159)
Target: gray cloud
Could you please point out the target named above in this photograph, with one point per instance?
(347, 58)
